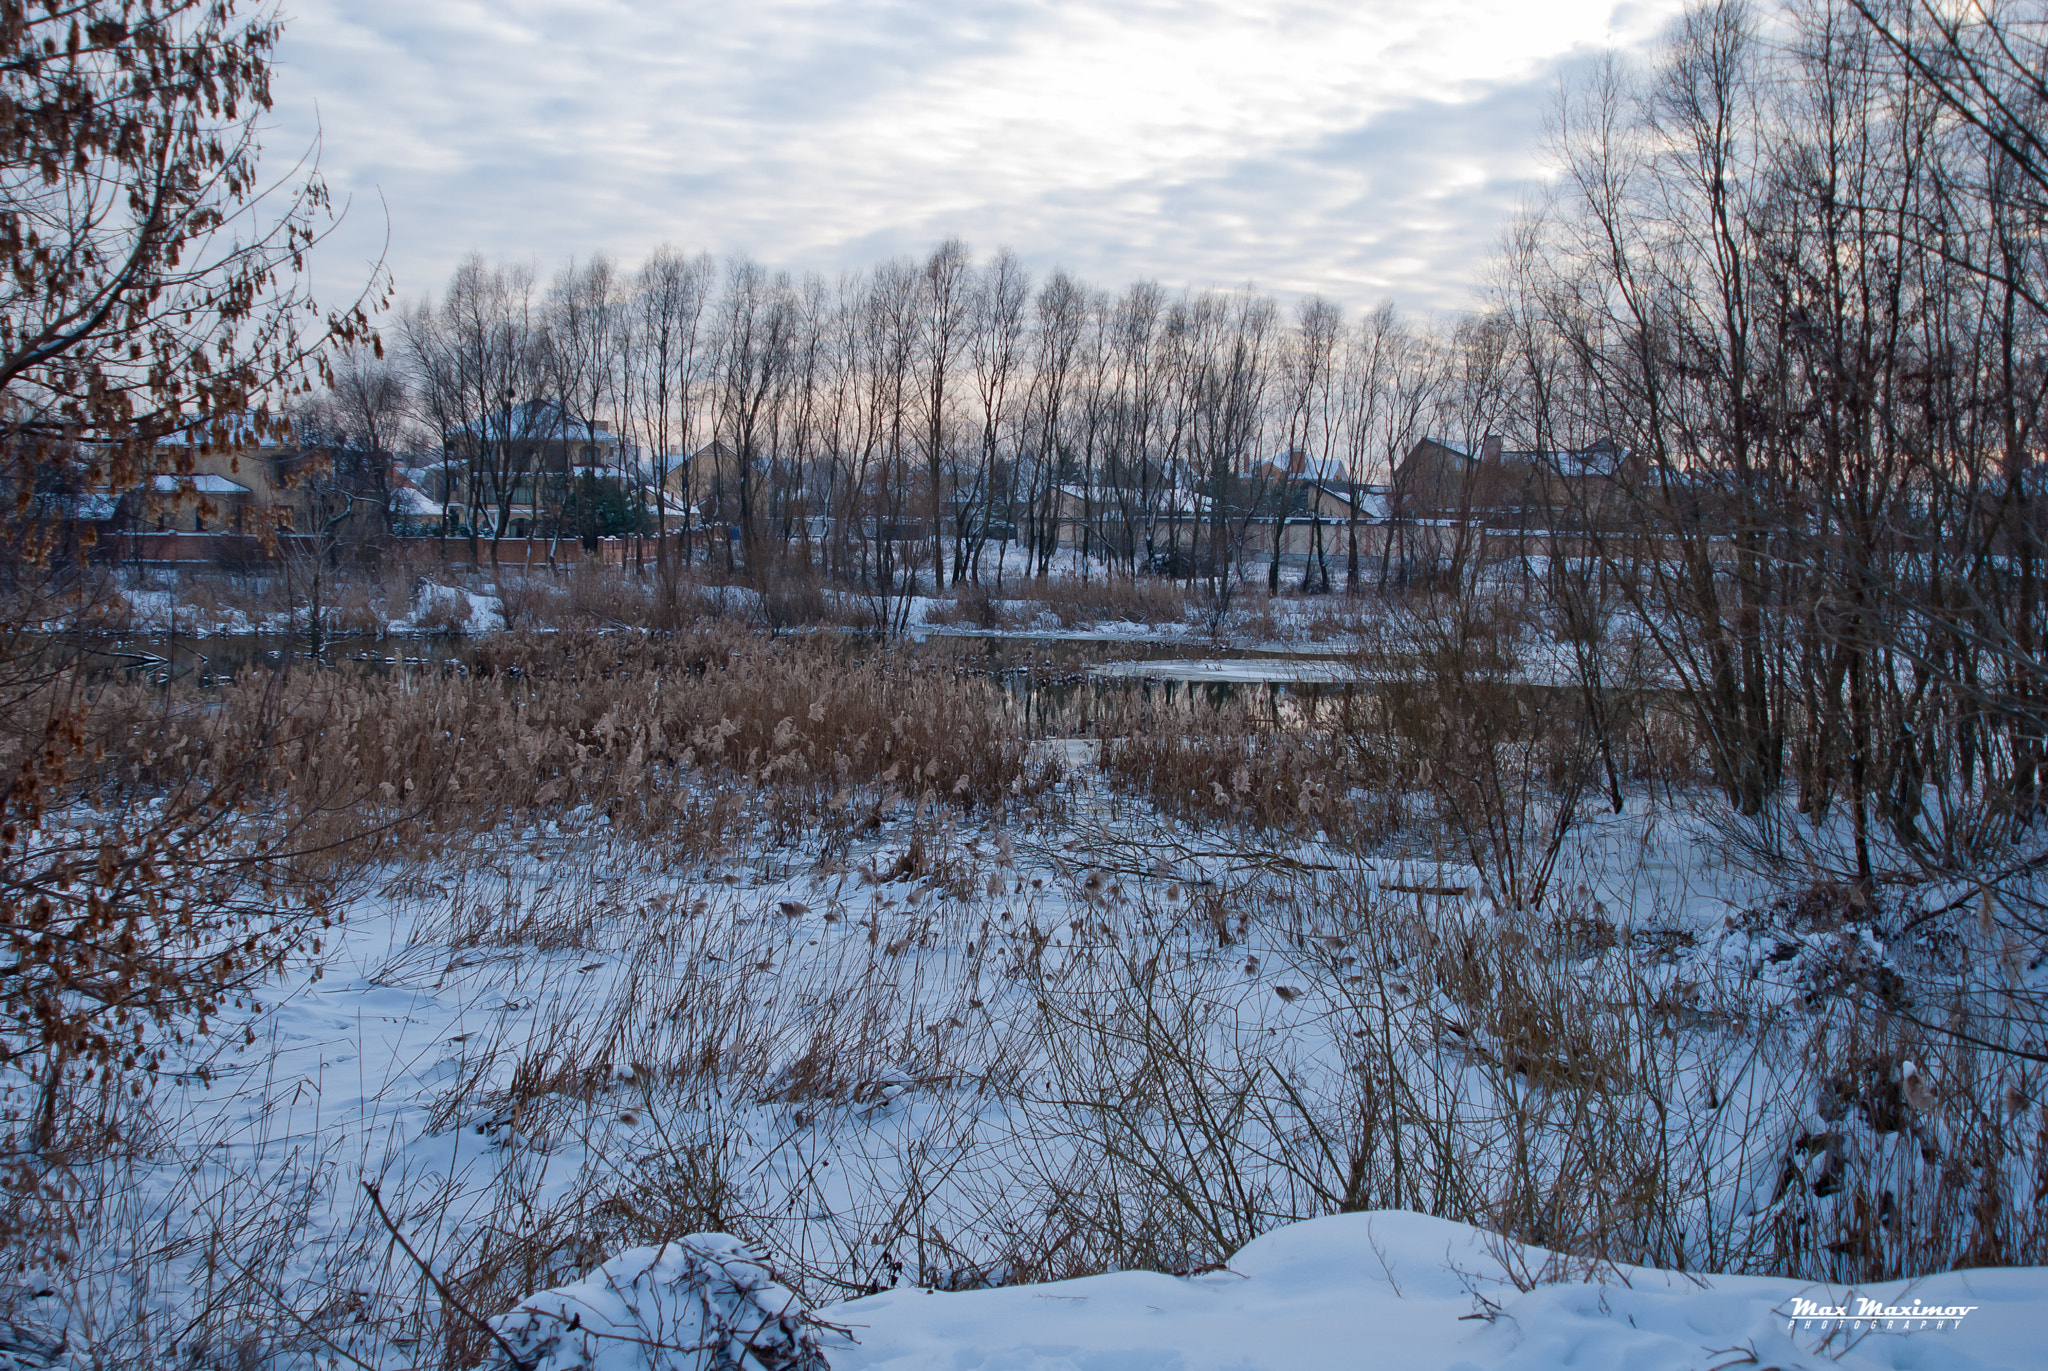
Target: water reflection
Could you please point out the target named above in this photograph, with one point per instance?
(1050, 687)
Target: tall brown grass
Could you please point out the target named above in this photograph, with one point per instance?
(638, 729)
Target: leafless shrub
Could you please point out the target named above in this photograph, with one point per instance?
(442, 611)
(527, 601)
(794, 597)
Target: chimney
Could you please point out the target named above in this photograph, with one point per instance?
(1489, 448)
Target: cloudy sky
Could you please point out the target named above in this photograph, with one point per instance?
(1361, 149)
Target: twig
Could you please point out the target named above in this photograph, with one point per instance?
(295, 1316)
(512, 1358)
(2039, 859)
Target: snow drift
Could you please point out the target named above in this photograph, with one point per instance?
(1368, 1290)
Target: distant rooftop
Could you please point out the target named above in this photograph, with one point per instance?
(536, 419)
(205, 483)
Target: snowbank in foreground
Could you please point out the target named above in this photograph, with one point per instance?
(1358, 1290)
(1398, 1290)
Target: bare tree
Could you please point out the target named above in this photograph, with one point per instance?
(588, 335)
(996, 344)
(1802, 281)
(670, 292)
(945, 300)
(1310, 361)
(1062, 305)
(1129, 485)
(1379, 355)
(1234, 377)
(358, 422)
(479, 364)
(755, 326)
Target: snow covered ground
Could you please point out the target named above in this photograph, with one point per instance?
(1408, 1291)
(927, 1050)
(1383, 1289)
(919, 1059)
(1401, 1290)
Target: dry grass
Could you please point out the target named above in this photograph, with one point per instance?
(628, 727)
(1232, 764)
(975, 606)
(363, 597)
(1140, 601)
(1067, 603)
(1440, 724)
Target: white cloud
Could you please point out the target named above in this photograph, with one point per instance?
(1350, 148)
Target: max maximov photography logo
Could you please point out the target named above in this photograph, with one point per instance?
(1874, 1316)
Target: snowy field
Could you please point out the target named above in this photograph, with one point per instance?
(954, 1056)
(1105, 1076)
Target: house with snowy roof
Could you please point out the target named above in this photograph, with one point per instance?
(1489, 483)
(230, 478)
(524, 463)
(199, 502)
(1299, 464)
(413, 511)
(543, 436)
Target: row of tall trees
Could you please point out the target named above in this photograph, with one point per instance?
(890, 427)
